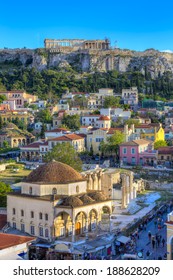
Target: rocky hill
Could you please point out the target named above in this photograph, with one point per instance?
(151, 60)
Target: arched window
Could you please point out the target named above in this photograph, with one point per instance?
(46, 217)
(41, 231)
(46, 232)
(32, 214)
(40, 216)
(22, 213)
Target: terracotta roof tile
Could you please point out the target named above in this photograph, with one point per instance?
(68, 137)
(9, 240)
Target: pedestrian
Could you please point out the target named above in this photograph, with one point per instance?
(149, 235)
(158, 241)
(163, 242)
(165, 256)
(153, 243)
(147, 254)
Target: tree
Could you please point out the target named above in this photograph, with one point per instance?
(43, 130)
(112, 145)
(1, 123)
(4, 189)
(72, 122)
(2, 98)
(5, 144)
(132, 121)
(111, 101)
(159, 144)
(65, 153)
(44, 116)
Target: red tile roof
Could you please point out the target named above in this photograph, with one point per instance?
(68, 137)
(57, 130)
(9, 240)
(33, 145)
(136, 142)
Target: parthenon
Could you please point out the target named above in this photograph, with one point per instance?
(76, 44)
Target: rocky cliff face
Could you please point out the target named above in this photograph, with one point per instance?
(153, 61)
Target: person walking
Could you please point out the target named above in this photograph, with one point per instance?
(163, 242)
(149, 235)
(158, 241)
(153, 243)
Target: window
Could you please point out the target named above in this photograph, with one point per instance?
(41, 231)
(23, 227)
(133, 151)
(22, 213)
(14, 211)
(124, 150)
(46, 217)
(40, 216)
(32, 214)
(32, 230)
(133, 160)
(46, 232)
(167, 157)
(14, 225)
(162, 157)
(30, 190)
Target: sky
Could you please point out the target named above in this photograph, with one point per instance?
(135, 25)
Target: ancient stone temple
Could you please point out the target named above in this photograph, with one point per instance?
(76, 44)
(115, 184)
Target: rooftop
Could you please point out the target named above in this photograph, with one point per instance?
(54, 172)
(10, 240)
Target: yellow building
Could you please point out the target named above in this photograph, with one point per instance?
(152, 131)
(20, 97)
(14, 136)
(95, 137)
(24, 116)
(169, 225)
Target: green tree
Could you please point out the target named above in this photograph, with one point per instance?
(44, 116)
(5, 144)
(43, 130)
(65, 153)
(112, 145)
(1, 122)
(72, 122)
(111, 101)
(2, 98)
(4, 189)
(132, 121)
(159, 144)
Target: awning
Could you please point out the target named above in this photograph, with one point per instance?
(42, 245)
(123, 239)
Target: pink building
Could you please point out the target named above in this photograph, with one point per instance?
(130, 151)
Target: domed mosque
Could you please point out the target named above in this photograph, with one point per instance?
(58, 203)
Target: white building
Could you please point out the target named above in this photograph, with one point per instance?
(130, 96)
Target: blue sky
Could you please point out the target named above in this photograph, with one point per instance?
(136, 25)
